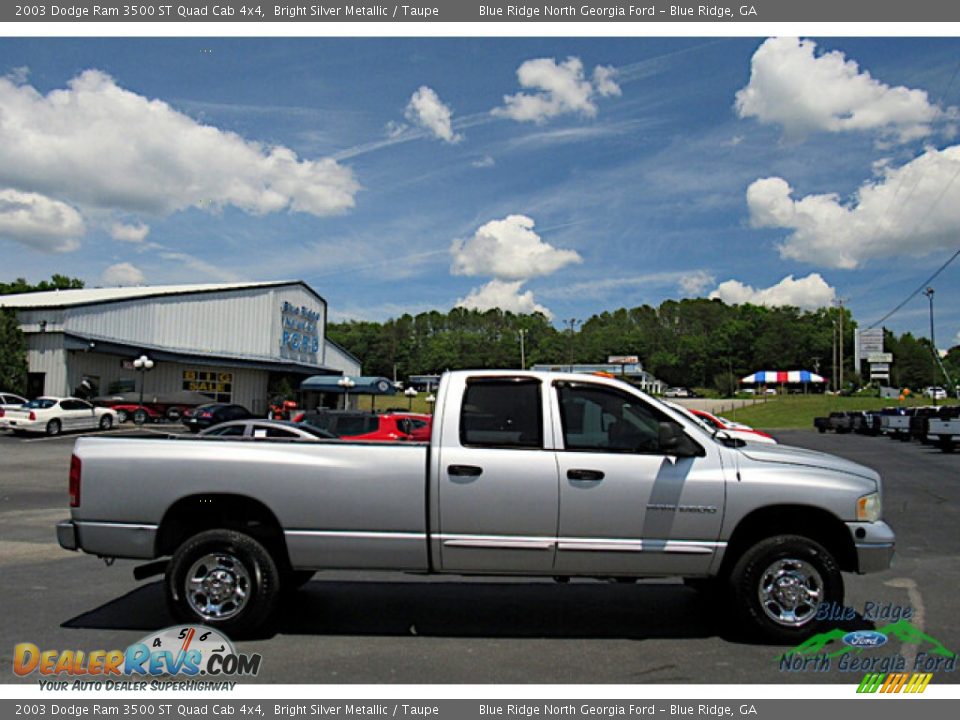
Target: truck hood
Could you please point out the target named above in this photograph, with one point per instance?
(788, 455)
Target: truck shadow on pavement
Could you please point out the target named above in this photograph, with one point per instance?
(461, 609)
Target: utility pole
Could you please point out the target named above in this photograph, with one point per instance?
(523, 356)
(572, 322)
(933, 346)
(840, 343)
(833, 356)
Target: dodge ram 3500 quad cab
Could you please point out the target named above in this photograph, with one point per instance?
(526, 473)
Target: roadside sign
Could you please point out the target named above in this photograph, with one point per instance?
(879, 357)
(623, 359)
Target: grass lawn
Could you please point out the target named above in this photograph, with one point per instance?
(398, 401)
(798, 411)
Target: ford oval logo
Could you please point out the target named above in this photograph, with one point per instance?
(865, 638)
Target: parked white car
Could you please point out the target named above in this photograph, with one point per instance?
(935, 393)
(53, 415)
(9, 401)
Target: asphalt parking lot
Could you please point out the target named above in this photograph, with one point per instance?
(387, 628)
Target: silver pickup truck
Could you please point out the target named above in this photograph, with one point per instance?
(526, 473)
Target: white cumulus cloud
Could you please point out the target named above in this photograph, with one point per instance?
(808, 293)
(554, 89)
(129, 233)
(909, 210)
(791, 86)
(97, 144)
(428, 111)
(122, 274)
(505, 295)
(508, 249)
(39, 222)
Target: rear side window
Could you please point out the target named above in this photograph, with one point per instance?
(273, 432)
(355, 424)
(226, 431)
(503, 413)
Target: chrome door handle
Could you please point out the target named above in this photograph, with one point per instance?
(464, 470)
(593, 475)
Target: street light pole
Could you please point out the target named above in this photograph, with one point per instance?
(346, 383)
(142, 364)
(411, 393)
(933, 346)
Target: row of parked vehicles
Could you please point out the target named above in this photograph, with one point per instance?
(54, 415)
(939, 425)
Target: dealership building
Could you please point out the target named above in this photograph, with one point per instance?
(230, 342)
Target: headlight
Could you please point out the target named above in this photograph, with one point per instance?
(868, 508)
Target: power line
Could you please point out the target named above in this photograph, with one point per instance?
(923, 286)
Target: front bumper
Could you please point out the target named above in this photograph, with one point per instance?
(874, 544)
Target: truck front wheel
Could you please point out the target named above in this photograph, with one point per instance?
(223, 579)
(781, 583)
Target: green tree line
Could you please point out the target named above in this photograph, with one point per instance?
(692, 342)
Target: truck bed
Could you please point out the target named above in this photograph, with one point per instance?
(334, 510)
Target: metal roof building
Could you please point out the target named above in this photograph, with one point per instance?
(228, 341)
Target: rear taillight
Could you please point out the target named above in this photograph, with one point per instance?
(33, 416)
(2, 412)
(206, 415)
(74, 481)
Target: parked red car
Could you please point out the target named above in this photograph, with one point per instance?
(744, 432)
(353, 425)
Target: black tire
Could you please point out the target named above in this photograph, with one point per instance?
(174, 414)
(54, 427)
(822, 430)
(224, 559)
(140, 416)
(799, 563)
(122, 416)
(106, 423)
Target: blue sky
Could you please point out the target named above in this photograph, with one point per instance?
(569, 175)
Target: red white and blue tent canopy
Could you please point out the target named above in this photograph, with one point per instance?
(780, 377)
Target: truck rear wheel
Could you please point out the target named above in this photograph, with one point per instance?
(780, 584)
(224, 579)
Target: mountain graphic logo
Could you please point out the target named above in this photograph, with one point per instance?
(831, 642)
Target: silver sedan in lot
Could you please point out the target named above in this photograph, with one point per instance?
(258, 428)
(53, 415)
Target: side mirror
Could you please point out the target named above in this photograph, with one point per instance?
(674, 441)
(668, 438)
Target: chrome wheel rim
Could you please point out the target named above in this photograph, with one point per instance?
(218, 586)
(790, 592)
